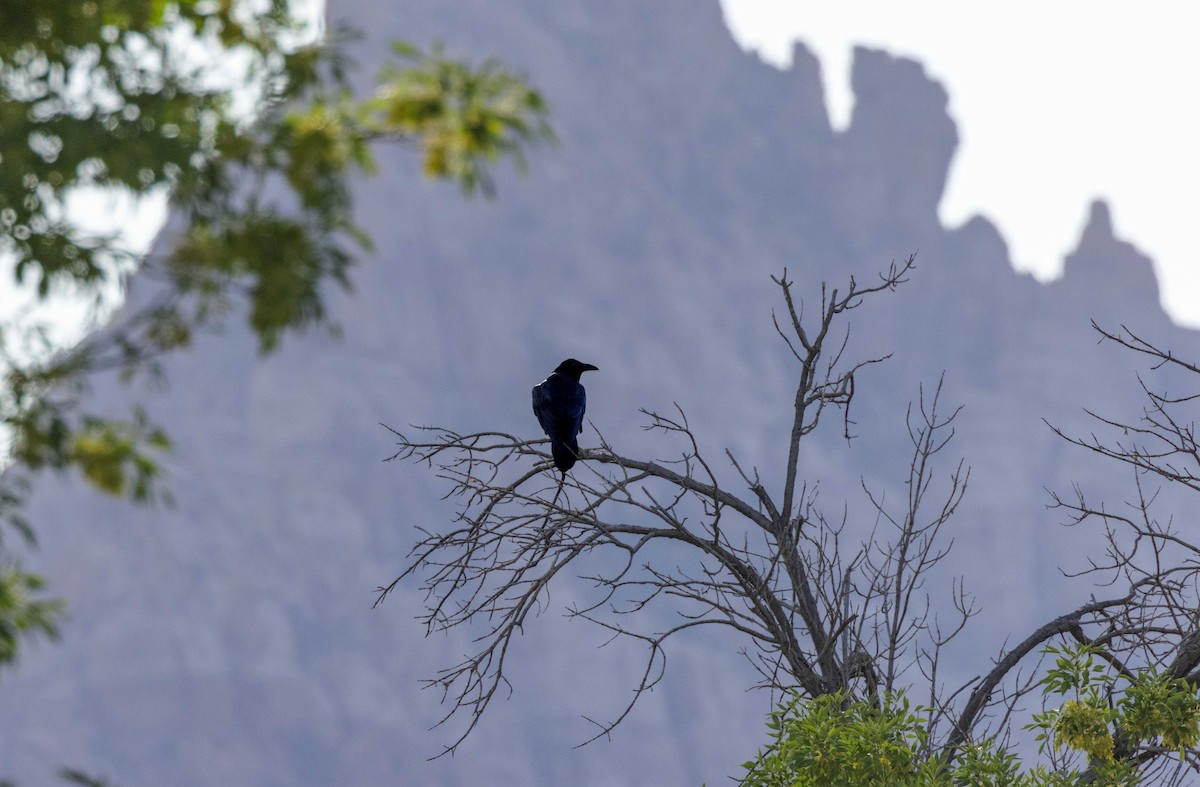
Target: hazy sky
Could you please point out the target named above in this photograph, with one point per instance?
(1056, 103)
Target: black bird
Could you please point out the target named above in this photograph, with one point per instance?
(558, 403)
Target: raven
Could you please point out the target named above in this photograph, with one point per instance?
(558, 403)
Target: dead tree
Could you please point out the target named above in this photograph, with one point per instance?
(819, 608)
(1156, 558)
(816, 614)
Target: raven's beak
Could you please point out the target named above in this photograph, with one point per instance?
(587, 367)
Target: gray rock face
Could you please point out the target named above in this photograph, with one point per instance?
(230, 640)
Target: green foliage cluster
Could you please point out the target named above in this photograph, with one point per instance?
(1106, 716)
(1156, 707)
(22, 615)
(839, 740)
(213, 103)
(103, 94)
(466, 118)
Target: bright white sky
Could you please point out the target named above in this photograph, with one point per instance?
(1057, 102)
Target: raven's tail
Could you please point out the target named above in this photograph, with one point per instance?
(564, 454)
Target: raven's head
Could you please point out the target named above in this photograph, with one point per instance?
(573, 368)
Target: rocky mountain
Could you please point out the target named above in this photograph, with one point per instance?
(230, 640)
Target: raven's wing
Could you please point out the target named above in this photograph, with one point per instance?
(543, 408)
(578, 408)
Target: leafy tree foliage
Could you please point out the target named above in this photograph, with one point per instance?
(214, 104)
(836, 739)
(466, 118)
(839, 739)
(20, 614)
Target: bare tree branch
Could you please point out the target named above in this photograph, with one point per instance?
(814, 616)
(821, 603)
